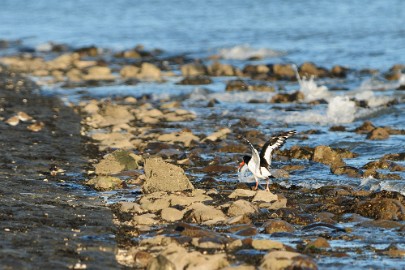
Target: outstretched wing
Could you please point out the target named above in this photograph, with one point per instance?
(255, 161)
(274, 143)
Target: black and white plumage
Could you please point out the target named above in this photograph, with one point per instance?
(259, 164)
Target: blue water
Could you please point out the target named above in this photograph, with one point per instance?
(359, 34)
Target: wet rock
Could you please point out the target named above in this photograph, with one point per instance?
(309, 69)
(195, 80)
(154, 205)
(236, 85)
(395, 156)
(381, 208)
(378, 134)
(98, 73)
(319, 242)
(162, 176)
(184, 137)
(365, 128)
(103, 183)
(326, 155)
(161, 262)
(192, 260)
(219, 69)
(277, 225)
(264, 196)
(202, 213)
(242, 193)
(283, 71)
(381, 223)
(209, 242)
(218, 169)
(241, 207)
(149, 72)
(141, 258)
(248, 231)
(241, 219)
(287, 98)
(337, 128)
(298, 152)
(347, 170)
(218, 135)
(384, 164)
(130, 207)
(184, 201)
(129, 72)
(171, 214)
(265, 244)
(110, 115)
(233, 148)
(118, 161)
(35, 127)
(338, 71)
(194, 69)
(278, 260)
(113, 140)
(281, 202)
(145, 219)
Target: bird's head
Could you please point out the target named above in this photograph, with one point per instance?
(245, 160)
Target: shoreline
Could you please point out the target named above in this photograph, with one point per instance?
(212, 222)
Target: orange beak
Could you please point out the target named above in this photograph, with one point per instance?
(241, 165)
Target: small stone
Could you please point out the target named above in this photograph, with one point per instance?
(320, 242)
(103, 183)
(13, 121)
(130, 207)
(220, 134)
(202, 213)
(265, 244)
(24, 116)
(277, 225)
(38, 126)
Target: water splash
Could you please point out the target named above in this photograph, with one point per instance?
(310, 89)
(245, 52)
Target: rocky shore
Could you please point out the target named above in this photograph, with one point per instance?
(179, 213)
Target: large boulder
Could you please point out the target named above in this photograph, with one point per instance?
(163, 176)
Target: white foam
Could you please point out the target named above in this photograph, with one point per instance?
(372, 100)
(310, 89)
(244, 52)
(341, 110)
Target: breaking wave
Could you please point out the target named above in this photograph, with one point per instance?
(245, 52)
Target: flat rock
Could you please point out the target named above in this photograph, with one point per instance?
(163, 176)
(171, 214)
(278, 260)
(203, 213)
(266, 244)
(193, 260)
(264, 196)
(131, 207)
(145, 219)
(242, 193)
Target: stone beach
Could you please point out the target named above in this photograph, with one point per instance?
(169, 164)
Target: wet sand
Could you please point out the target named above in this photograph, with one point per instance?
(46, 222)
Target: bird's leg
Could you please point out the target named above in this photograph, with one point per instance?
(267, 185)
(257, 184)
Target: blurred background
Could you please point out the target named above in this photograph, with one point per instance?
(358, 34)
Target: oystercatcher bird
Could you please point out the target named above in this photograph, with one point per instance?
(259, 164)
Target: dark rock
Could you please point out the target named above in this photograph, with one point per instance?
(195, 80)
(309, 69)
(337, 128)
(381, 208)
(378, 134)
(236, 85)
(347, 170)
(366, 127)
(277, 225)
(287, 98)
